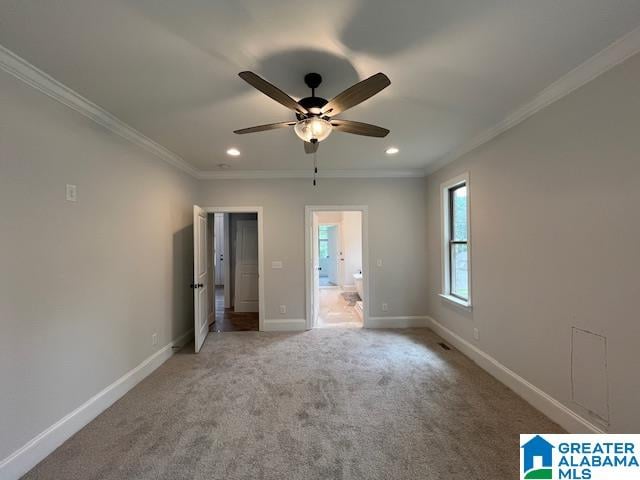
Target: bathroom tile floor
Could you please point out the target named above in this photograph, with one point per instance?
(335, 311)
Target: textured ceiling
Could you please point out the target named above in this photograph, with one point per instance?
(169, 68)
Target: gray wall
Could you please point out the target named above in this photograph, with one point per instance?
(555, 229)
(84, 285)
(397, 235)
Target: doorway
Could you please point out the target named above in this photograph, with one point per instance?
(329, 254)
(228, 270)
(336, 258)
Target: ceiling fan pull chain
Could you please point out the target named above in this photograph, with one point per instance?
(315, 168)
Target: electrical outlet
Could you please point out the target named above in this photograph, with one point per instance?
(476, 334)
(283, 309)
(379, 262)
(72, 193)
(385, 307)
(154, 339)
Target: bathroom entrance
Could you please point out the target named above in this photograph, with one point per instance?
(336, 282)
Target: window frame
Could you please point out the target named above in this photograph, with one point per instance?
(448, 242)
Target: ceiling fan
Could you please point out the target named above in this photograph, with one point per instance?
(314, 115)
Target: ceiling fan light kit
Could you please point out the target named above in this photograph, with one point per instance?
(314, 115)
(313, 128)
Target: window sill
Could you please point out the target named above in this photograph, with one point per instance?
(456, 301)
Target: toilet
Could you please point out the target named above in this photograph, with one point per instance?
(357, 277)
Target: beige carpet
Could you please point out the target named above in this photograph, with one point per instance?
(324, 404)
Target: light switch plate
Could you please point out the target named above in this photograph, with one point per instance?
(72, 193)
(379, 262)
(283, 309)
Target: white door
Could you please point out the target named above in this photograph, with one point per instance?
(219, 246)
(315, 256)
(200, 271)
(246, 258)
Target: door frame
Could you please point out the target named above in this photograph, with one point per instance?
(226, 224)
(258, 211)
(309, 210)
(218, 219)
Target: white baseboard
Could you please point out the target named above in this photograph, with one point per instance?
(552, 408)
(398, 322)
(285, 325)
(39, 447)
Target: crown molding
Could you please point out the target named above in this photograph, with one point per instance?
(36, 78)
(44, 83)
(601, 62)
(274, 174)
(613, 55)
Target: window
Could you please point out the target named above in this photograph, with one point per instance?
(456, 284)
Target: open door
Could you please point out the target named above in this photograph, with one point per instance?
(200, 280)
(246, 277)
(315, 262)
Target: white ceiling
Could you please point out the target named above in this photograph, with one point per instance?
(169, 68)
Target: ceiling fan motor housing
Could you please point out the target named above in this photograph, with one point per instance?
(313, 105)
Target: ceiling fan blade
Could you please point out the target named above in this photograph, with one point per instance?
(356, 94)
(272, 91)
(311, 147)
(359, 128)
(263, 128)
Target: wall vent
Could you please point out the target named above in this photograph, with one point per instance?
(589, 379)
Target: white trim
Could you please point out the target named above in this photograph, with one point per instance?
(227, 256)
(266, 174)
(616, 53)
(552, 408)
(458, 302)
(44, 83)
(259, 212)
(36, 449)
(603, 61)
(36, 78)
(285, 325)
(308, 255)
(398, 322)
(444, 238)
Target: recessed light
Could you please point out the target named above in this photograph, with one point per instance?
(392, 150)
(234, 152)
